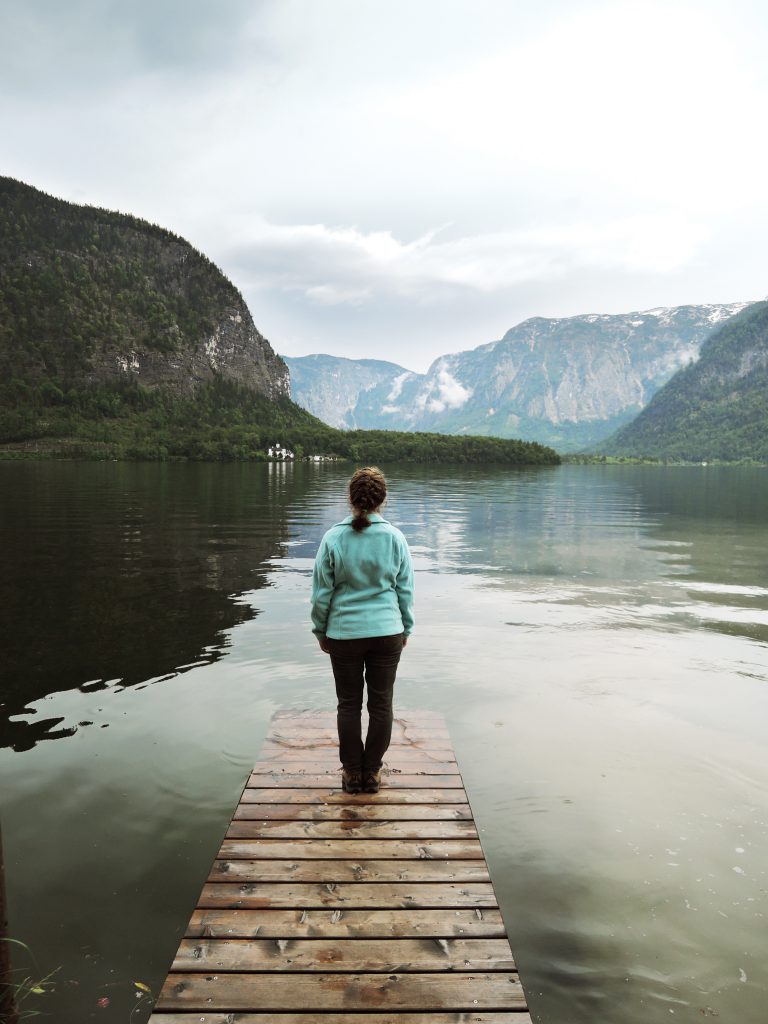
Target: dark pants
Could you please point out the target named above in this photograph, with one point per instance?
(371, 661)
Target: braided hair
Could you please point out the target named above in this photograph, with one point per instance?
(367, 493)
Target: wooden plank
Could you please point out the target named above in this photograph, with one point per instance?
(457, 1017)
(355, 870)
(316, 766)
(387, 956)
(343, 812)
(284, 780)
(326, 735)
(328, 908)
(347, 895)
(349, 924)
(336, 796)
(323, 720)
(328, 715)
(352, 830)
(309, 739)
(329, 992)
(331, 753)
(337, 849)
(402, 727)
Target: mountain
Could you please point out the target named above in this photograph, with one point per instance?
(717, 408)
(567, 382)
(93, 297)
(118, 340)
(333, 388)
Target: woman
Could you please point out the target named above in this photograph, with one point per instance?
(362, 615)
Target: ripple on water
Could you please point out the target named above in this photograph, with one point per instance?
(596, 640)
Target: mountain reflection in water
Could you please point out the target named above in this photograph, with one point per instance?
(596, 638)
(122, 575)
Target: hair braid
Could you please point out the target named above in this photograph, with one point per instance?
(367, 493)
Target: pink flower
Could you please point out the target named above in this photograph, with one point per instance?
(103, 1003)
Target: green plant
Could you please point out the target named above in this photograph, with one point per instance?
(27, 989)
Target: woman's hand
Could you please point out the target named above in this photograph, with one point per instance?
(405, 641)
(323, 645)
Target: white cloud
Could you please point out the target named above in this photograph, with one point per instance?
(331, 295)
(451, 393)
(338, 265)
(604, 155)
(442, 392)
(397, 388)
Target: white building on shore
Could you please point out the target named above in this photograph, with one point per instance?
(279, 453)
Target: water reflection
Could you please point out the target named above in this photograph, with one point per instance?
(641, 544)
(596, 637)
(121, 575)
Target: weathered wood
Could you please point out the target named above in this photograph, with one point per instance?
(315, 766)
(417, 739)
(347, 924)
(336, 796)
(308, 736)
(399, 757)
(329, 908)
(328, 716)
(309, 740)
(273, 991)
(286, 780)
(456, 1017)
(356, 870)
(338, 849)
(384, 956)
(344, 812)
(404, 755)
(347, 895)
(352, 829)
(325, 732)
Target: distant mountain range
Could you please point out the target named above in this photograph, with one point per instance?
(717, 408)
(569, 382)
(334, 387)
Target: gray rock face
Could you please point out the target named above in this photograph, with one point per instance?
(565, 382)
(335, 389)
(235, 350)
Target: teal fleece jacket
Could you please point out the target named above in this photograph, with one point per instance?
(362, 584)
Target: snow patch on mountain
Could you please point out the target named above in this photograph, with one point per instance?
(567, 381)
(718, 313)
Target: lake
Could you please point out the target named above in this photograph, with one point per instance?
(596, 636)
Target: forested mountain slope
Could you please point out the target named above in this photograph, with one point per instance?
(89, 295)
(717, 408)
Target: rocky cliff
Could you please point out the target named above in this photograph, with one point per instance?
(335, 389)
(89, 296)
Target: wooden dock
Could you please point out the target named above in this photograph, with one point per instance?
(326, 908)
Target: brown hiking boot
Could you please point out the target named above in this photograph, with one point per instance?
(371, 781)
(351, 781)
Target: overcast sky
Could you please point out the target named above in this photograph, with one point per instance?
(398, 179)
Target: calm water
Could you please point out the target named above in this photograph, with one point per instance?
(596, 636)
